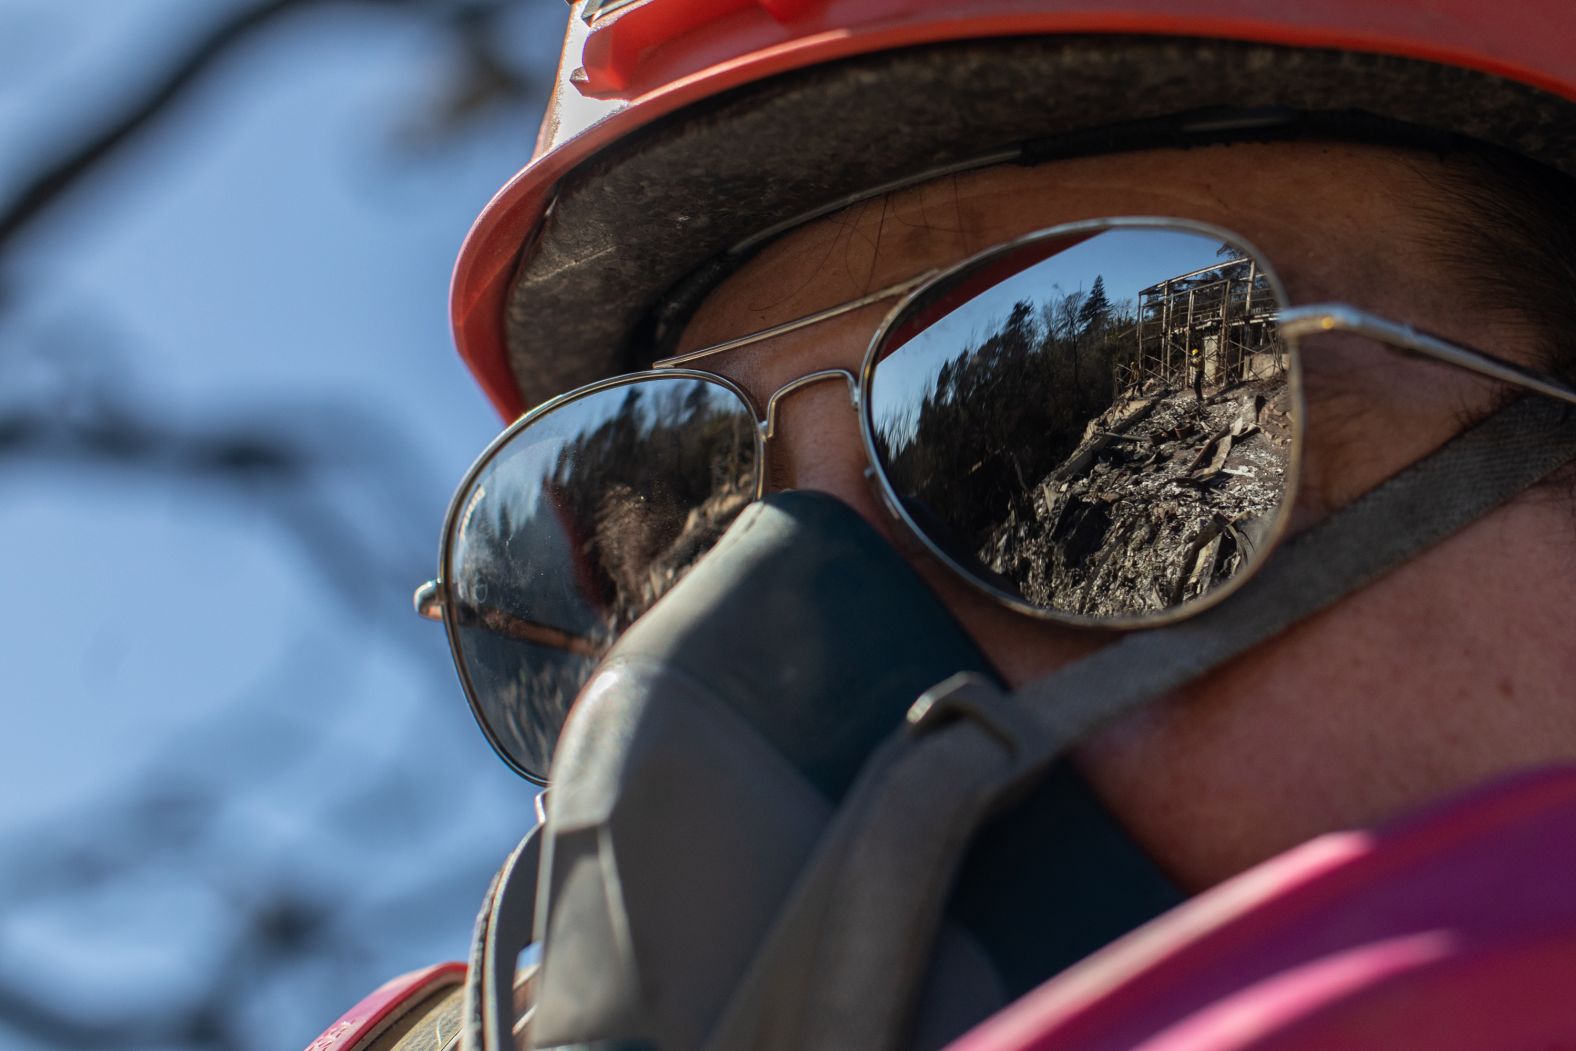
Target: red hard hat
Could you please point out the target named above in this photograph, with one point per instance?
(684, 133)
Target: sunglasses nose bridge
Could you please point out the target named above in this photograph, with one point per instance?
(769, 425)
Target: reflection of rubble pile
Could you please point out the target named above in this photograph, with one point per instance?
(1161, 501)
(644, 549)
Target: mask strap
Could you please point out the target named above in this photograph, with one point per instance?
(504, 926)
(846, 959)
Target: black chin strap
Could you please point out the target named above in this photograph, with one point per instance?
(845, 960)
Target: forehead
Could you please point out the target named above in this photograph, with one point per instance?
(1331, 218)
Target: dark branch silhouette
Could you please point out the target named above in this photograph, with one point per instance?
(468, 21)
(54, 180)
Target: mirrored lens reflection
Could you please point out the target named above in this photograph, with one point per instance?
(574, 529)
(1097, 423)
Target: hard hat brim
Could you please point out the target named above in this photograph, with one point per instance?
(610, 222)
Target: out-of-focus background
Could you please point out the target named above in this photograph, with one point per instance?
(239, 785)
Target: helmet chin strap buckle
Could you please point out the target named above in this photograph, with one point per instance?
(969, 695)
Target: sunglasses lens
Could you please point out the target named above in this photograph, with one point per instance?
(572, 529)
(1097, 424)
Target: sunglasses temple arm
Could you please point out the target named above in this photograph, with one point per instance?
(428, 601)
(1297, 322)
(429, 604)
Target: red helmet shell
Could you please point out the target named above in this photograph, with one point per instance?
(641, 61)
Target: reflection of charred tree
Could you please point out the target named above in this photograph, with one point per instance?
(1001, 416)
(1096, 309)
(1061, 317)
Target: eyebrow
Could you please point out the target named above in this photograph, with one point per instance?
(890, 291)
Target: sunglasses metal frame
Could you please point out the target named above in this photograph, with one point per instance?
(1293, 323)
(432, 599)
(1154, 619)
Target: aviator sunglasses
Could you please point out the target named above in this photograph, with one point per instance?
(1097, 424)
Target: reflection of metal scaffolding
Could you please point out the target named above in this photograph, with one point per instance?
(1225, 312)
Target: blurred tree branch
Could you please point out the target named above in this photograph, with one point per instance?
(487, 78)
(168, 87)
(290, 924)
(279, 461)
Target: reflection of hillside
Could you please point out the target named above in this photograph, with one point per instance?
(1003, 413)
(1162, 500)
(1091, 456)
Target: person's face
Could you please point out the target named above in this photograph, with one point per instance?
(1449, 669)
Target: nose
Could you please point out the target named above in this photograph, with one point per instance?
(813, 441)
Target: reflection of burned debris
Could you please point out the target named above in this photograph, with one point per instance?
(643, 554)
(1164, 498)
(1173, 489)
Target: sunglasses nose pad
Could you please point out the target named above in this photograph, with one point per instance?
(807, 380)
(817, 438)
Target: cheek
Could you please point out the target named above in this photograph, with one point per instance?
(1452, 669)
(1247, 762)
